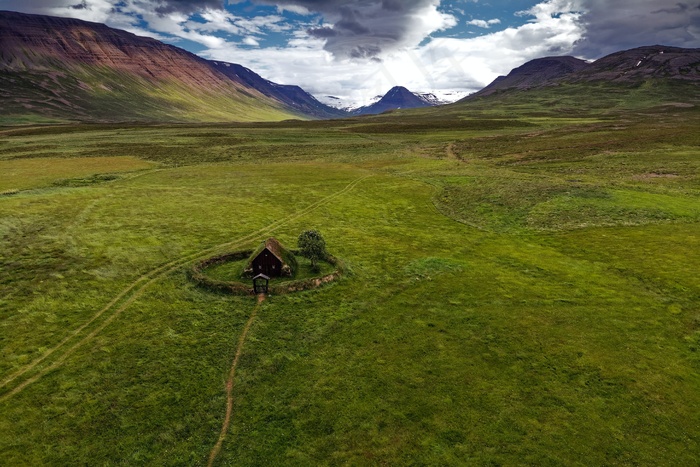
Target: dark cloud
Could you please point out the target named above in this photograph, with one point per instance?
(186, 6)
(365, 51)
(350, 23)
(365, 28)
(323, 33)
(160, 6)
(613, 25)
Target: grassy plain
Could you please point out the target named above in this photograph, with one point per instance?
(523, 289)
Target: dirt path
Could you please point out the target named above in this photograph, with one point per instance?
(450, 151)
(137, 288)
(230, 383)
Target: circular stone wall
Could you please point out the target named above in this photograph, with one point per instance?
(197, 273)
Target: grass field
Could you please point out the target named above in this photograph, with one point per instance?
(521, 290)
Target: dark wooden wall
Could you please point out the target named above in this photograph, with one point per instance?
(268, 264)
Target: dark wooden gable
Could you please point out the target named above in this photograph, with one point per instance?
(271, 259)
(267, 263)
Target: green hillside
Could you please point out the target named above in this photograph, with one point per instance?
(592, 98)
(99, 94)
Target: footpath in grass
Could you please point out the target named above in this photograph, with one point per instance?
(230, 383)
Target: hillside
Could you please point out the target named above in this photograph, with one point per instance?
(294, 97)
(644, 63)
(644, 76)
(535, 73)
(67, 69)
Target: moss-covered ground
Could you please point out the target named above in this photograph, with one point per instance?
(521, 290)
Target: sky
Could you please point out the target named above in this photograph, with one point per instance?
(355, 50)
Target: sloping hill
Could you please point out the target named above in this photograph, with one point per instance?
(293, 97)
(644, 63)
(633, 79)
(635, 67)
(535, 73)
(67, 69)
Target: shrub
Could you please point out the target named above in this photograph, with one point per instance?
(312, 246)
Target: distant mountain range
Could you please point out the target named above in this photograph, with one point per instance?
(293, 97)
(627, 68)
(59, 69)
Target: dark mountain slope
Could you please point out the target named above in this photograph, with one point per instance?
(652, 65)
(641, 64)
(293, 97)
(535, 73)
(397, 98)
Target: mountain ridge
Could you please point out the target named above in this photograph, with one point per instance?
(293, 96)
(64, 69)
(630, 67)
(69, 69)
(535, 73)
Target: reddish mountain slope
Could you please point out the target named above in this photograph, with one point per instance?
(60, 68)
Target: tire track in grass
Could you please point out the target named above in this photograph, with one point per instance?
(113, 309)
(450, 152)
(230, 383)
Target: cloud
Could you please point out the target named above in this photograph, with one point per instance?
(186, 6)
(483, 23)
(439, 64)
(88, 9)
(251, 41)
(299, 10)
(622, 24)
(92, 10)
(370, 28)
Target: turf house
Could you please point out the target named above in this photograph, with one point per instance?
(272, 260)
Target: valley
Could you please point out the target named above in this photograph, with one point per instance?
(521, 288)
(513, 281)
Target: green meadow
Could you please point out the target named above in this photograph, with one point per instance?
(522, 289)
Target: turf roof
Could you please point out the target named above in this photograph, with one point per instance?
(276, 248)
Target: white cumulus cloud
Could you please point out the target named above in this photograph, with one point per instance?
(484, 23)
